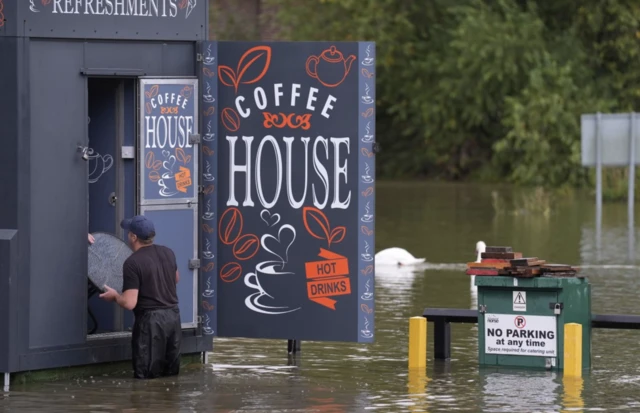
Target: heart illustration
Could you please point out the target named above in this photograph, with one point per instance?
(280, 246)
(166, 153)
(269, 218)
(169, 163)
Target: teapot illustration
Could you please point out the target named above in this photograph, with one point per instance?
(330, 67)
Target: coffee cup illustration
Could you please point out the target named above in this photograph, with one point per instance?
(208, 97)
(368, 295)
(366, 333)
(272, 296)
(208, 292)
(366, 178)
(367, 61)
(98, 165)
(206, 252)
(368, 137)
(167, 184)
(366, 99)
(207, 329)
(208, 59)
(208, 176)
(208, 215)
(366, 256)
(367, 216)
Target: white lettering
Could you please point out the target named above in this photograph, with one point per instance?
(259, 172)
(294, 94)
(243, 113)
(299, 195)
(321, 171)
(260, 97)
(328, 106)
(289, 140)
(171, 131)
(339, 170)
(233, 168)
(312, 98)
(138, 8)
(277, 93)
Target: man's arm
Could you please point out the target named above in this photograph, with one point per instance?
(175, 265)
(130, 287)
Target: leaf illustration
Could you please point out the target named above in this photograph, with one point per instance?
(366, 152)
(210, 111)
(366, 73)
(180, 155)
(209, 267)
(365, 230)
(227, 76)
(368, 270)
(186, 92)
(148, 108)
(314, 217)
(153, 92)
(367, 113)
(337, 235)
(248, 59)
(365, 308)
(368, 191)
(207, 228)
(209, 189)
(208, 72)
(207, 150)
(148, 160)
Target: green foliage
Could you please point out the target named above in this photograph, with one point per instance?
(485, 89)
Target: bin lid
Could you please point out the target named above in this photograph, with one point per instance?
(106, 257)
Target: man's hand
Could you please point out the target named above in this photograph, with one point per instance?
(91, 239)
(109, 294)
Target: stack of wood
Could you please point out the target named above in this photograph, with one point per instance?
(503, 261)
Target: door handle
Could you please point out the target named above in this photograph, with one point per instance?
(113, 198)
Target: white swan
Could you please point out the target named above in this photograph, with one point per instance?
(397, 256)
(480, 248)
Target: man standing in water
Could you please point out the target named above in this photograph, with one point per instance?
(149, 289)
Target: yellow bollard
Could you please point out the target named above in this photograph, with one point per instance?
(417, 342)
(572, 395)
(573, 350)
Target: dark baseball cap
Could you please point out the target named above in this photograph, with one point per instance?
(140, 226)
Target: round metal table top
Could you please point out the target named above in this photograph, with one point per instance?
(106, 257)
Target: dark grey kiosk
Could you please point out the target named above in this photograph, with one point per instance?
(70, 76)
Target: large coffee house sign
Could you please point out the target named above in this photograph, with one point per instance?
(295, 196)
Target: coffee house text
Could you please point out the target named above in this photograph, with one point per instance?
(262, 101)
(332, 152)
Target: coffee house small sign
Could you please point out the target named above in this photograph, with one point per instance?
(132, 8)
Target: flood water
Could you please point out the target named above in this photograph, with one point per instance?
(441, 222)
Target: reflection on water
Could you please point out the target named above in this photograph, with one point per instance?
(441, 222)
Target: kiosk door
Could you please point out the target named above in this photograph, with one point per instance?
(168, 180)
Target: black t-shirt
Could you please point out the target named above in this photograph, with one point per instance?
(152, 271)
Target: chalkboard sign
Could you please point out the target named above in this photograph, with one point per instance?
(296, 190)
(168, 158)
